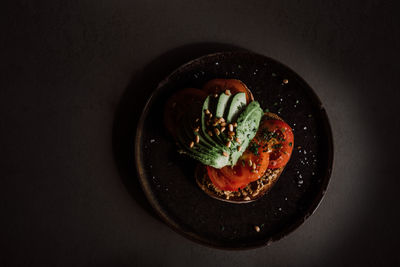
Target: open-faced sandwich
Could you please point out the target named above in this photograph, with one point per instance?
(241, 149)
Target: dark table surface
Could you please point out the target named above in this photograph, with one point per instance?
(74, 76)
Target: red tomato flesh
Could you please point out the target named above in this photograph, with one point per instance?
(240, 175)
(179, 105)
(270, 149)
(277, 138)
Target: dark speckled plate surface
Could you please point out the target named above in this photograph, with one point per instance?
(167, 177)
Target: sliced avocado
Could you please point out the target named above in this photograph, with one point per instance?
(222, 104)
(189, 132)
(220, 110)
(198, 150)
(204, 155)
(202, 145)
(210, 149)
(212, 139)
(236, 106)
(248, 123)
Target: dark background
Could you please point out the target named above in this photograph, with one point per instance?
(74, 76)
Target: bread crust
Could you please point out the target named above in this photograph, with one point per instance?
(251, 192)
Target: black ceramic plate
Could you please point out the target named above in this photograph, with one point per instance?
(168, 180)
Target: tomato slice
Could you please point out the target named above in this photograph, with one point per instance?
(235, 86)
(240, 175)
(218, 179)
(178, 106)
(277, 139)
(270, 149)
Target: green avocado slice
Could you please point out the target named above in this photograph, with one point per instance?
(248, 123)
(212, 139)
(210, 150)
(221, 109)
(236, 107)
(201, 153)
(222, 104)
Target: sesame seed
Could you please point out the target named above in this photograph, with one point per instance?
(238, 140)
(223, 124)
(254, 166)
(230, 133)
(216, 95)
(191, 144)
(239, 148)
(210, 133)
(206, 111)
(235, 124)
(285, 81)
(230, 127)
(197, 120)
(217, 132)
(257, 228)
(222, 129)
(250, 163)
(197, 139)
(225, 154)
(197, 129)
(227, 92)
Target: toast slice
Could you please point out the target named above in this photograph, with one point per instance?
(251, 192)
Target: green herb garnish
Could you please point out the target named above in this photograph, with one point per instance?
(253, 147)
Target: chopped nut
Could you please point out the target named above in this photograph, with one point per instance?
(227, 92)
(215, 123)
(235, 124)
(225, 154)
(222, 129)
(230, 137)
(191, 144)
(239, 148)
(257, 228)
(230, 133)
(230, 127)
(216, 131)
(250, 162)
(228, 144)
(197, 139)
(238, 140)
(254, 166)
(223, 124)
